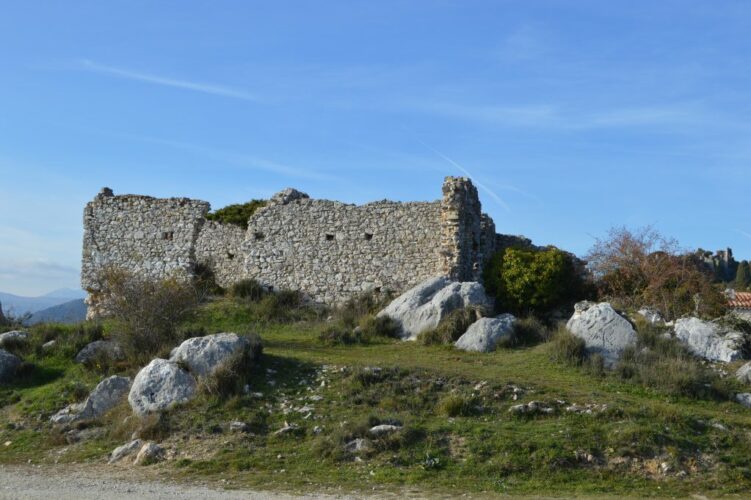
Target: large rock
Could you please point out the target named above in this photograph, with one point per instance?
(99, 349)
(103, 398)
(603, 330)
(9, 364)
(159, 386)
(14, 338)
(123, 451)
(203, 355)
(484, 334)
(150, 453)
(424, 306)
(709, 340)
(743, 374)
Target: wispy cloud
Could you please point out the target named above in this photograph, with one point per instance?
(466, 172)
(744, 233)
(206, 88)
(237, 159)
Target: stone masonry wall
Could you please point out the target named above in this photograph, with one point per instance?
(328, 250)
(219, 246)
(332, 250)
(151, 237)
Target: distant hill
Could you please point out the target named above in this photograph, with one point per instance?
(17, 305)
(73, 311)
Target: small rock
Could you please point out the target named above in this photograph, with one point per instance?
(16, 337)
(744, 373)
(98, 349)
(9, 365)
(485, 333)
(287, 429)
(744, 398)
(123, 451)
(531, 408)
(357, 446)
(49, 345)
(239, 427)
(150, 453)
(383, 429)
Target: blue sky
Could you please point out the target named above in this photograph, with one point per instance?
(574, 116)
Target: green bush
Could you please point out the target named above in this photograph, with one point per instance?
(453, 326)
(249, 289)
(237, 214)
(352, 312)
(527, 281)
(379, 326)
(455, 405)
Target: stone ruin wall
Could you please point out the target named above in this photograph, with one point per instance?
(333, 251)
(328, 250)
(219, 247)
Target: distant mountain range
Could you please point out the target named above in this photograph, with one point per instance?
(73, 311)
(16, 305)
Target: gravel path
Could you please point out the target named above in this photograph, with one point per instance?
(82, 483)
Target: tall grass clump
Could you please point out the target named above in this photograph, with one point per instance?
(567, 348)
(453, 326)
(230, 377)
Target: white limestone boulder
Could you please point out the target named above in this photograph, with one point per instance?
(9, 365)
(485, 333)
(123, 451)
(105, 396)
(150, 453)
(203, 355)
(744, 398)
(424, 306)
(743, 374)
(159, 386)
(709, 340)
(98, 349)
(11, 339)
(603, 330)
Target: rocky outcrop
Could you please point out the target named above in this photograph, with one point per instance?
(100, 349)
(12, 339)
(150, 453)
(709, 340)
(603, 330)
(105, 396)
(743, 374)
(123, 451)
(485, 333)
(9, 365)
(159, 386)
(203, 355)
(424, 306)
(744, 398)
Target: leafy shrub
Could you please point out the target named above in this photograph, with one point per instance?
(146, 312)
(237, 214)
(340, 335)
(525, 280)
(351, 312)
(282, 306)
(453, 326)
(642, 267)
(249, 289)
(567, 348)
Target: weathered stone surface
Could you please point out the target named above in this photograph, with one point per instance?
(485, 333)
(358, 445)
(203, 355)
(708, 340)
(9, 339)
(743, 374)
(123, 451)
(744, 398)
(159, 386)
(150, 453)
(383, 429)
(9, 364)
(100, 349)
(103, 398)
(653, 316)
(328, 250)
(603, 330)
(424, 306)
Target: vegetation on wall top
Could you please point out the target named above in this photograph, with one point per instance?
(237, 213)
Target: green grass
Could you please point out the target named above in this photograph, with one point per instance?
(457, 436)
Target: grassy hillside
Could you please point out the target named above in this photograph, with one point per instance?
(458, 432)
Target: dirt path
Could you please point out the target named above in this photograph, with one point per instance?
(83, 483)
